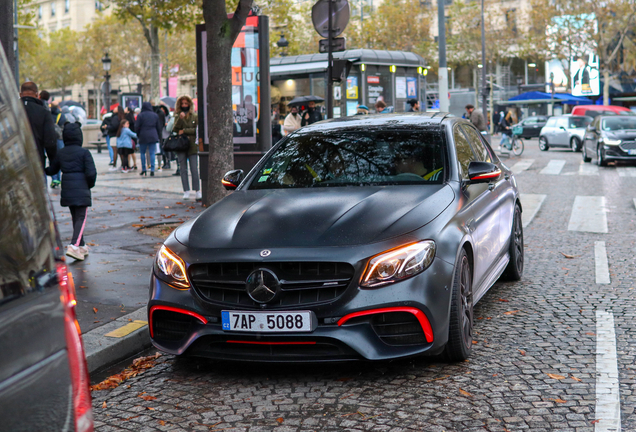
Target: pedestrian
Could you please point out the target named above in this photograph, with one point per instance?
(506, 132)
(496, 119)
(380, 106)
(162, 122)
(78, 177)
(414, 105)
(175, 157)
(110, 125)
(186, 124)
(130, 116)
(164, 135)
(125, 144)
(41, 122)
(476, 117)
(312, 115)
(148, 131)
(45, 97)
(292, 121)
(362, 110)
(59, 121)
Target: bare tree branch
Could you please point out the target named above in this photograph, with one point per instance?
(620, 41)
(240, 15)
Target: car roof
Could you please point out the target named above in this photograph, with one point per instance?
(375, 120)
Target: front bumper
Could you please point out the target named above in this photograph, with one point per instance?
(616, 153)
(181, 322)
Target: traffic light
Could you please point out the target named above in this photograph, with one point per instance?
(340, 70)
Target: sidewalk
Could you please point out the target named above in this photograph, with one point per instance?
(113, 280)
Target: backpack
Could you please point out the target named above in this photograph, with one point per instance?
(58, 129)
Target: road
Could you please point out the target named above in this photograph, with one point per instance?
(553, 352)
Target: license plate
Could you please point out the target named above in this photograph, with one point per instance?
(631, 152)
(268, 322)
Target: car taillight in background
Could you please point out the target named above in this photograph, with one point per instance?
(79, 372)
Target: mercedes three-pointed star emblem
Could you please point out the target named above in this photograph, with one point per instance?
(262, 285)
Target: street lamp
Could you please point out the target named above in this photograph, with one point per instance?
(106, 85)
(282, 43)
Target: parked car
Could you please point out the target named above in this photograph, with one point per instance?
(610, 138)
(532, 126)
(43, 375)
(564, 131)
(596, 110)
(365, 237)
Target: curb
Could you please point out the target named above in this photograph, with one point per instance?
(103, 351)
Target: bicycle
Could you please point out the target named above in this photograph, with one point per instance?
(515, 144)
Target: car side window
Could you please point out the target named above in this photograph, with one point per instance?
(562, 122)
(551, 122)
(478, 146)
(530, 121)
(465, 153)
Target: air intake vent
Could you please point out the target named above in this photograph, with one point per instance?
(171, 326)
(398, 328)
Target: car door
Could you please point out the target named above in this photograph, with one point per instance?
(548, 130)
(591, 137)
(541, 121)
(561, 137)
(529, 125)
(482, 202)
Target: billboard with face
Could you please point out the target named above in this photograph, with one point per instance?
(585, 75)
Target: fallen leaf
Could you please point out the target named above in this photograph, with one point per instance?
(556, 377)
(95, 309)
(95, 322)
(503, 300)
(569, 256)
(564, 268)
(162, 422)
(179, 203)
(137, 225)
(464, 392)
(280, 420)
(167, 207)
(139, 366)
(590, 334)
(148, 398)
(522, 352)
(150, 408)
(104, 404)
(596, 421)
(82, 286)
(559, 400)
(475, 342)
(511, 312)
(575, 378)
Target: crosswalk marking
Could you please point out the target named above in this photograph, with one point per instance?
(554, 167)
(588, 214)
(588, 169)
(608, 402)
(521, 166)
(531, 203)
(600, 263)
(626, 171)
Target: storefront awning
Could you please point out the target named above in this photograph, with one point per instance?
(536, 97)
(298, 68)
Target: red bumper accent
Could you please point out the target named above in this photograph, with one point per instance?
(270, 343)
(421, 317)
(174, 309)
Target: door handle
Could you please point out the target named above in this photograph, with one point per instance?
(507, 176)
(491, 186)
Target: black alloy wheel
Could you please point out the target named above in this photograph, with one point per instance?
(586, 158)
(460, 330)
(600, 156)
(575, 144)
(543, 144)
(514, 269)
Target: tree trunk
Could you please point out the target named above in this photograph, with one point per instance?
(221, 34)
(606, 86)
(6, 32)
(155, 57)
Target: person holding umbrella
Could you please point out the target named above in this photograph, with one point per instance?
(312, 115)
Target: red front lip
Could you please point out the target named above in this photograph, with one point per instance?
(421, 317)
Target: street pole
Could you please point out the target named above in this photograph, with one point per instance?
(484, 96)
(443, 68)
(330, 63)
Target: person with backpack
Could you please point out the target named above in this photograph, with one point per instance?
(78, 177)
(59, 121)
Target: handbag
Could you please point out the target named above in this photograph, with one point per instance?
(176, 143)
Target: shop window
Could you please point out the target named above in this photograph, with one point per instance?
(52, 8)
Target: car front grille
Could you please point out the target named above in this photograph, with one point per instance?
(398, 328)
(171, 326)
(628, 145)
(302, 283)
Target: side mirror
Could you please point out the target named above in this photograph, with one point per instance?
(561, 127)
(483, 172)
(232, 179)
(591, 129)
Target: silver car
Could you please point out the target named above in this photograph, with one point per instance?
(564, 131)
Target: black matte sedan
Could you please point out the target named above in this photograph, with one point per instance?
(359, 238)
(532, 126)
(610, 138)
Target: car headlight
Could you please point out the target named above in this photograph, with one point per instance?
(171, 268)
(398, 264)
(610, 141)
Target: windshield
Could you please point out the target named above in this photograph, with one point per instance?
(579, 122)
(619, 123)
(354, 157)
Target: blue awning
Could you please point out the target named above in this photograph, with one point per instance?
(543, 97)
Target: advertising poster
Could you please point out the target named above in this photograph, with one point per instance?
(245, 83)
(352, 88)
(559, 78)
(131, 100)
(585, 75)
(400, 87)
(411, 87)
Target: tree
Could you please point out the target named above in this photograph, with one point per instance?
(153, 15)
(221, 34)
(58, 63)
(29, 43)
(398, 25)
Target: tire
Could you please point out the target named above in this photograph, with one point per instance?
(517, 146)
(600, 157)
(586, 158)
(575, 144)
(514, 269)
(460, 329)
(543, 144)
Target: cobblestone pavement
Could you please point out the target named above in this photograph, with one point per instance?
(544, 324)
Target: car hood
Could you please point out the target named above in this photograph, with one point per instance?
(628, 134)
(314, 217)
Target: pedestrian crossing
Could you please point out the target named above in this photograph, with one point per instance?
(557, 166)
